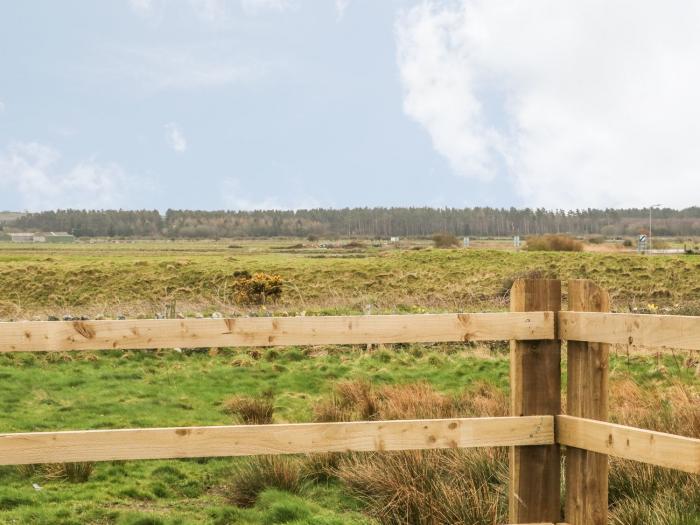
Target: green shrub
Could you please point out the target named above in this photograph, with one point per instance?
(258, 288)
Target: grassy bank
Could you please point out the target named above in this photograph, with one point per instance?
(141, 278)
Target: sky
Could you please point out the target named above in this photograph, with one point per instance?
(257, 104)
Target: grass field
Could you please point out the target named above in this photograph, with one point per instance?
(169, 387)
(142, 278)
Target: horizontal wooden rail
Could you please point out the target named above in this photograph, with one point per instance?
(669, 331)
(272, 331)
(247, 440)
(646, 446)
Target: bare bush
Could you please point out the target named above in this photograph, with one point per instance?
(445, 240)
(553, 243)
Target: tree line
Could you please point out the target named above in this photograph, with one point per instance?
(361, 222)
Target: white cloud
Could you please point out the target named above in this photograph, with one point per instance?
(258, 6)
(175, 137)
(212, 11)
(2, 106)
(340, 7)
(31, 171)
(576, 103)
(142, 7)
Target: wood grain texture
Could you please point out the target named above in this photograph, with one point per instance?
(646, 446)
(61, 336)
(660, 331)
(535, 380)
(246, 440)
(587, 396)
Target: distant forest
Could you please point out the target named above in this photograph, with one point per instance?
(359, 222)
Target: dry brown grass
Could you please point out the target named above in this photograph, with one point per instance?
(360, 401)
(253, 475)
(71, 472)
(432, 487)
(644, 494)
(553, 243)
(251, 410)
(445, 240)
(350, 401)
(417, 487)
(484, 400)
(469, 486)
(675, 409)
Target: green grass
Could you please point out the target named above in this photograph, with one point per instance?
(140, 278)
(144, 389)
(114, 389)
(148, 388)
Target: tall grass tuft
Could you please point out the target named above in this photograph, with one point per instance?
(251, 410)
(469, 486)
(430, 487)
(72, 472)
(253, 475)
(418, 487)
(644, 494)
(350, 401)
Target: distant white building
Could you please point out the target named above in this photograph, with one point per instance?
(22, 237)
(55, 237)
(395, 239)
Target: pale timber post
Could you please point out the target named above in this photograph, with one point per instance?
(587, 396)
(535, 380)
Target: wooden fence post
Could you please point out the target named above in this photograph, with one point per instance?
(535, 381)
(587, 396)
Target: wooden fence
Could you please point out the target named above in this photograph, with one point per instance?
(535, 431)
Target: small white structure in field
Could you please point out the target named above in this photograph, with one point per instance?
(22, 237)
(465, 242)
(516, 242)
(395, 239)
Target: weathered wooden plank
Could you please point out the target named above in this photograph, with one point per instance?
(272, 331)
(587, 396)
(646, 446)
(246, 440)
(535, 380)
(663, 331)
